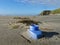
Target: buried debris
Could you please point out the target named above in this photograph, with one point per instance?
(28, 21)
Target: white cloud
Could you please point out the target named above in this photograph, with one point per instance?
(46, 2)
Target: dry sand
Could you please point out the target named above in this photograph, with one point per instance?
(10, 36)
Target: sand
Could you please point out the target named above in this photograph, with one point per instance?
(10, 36)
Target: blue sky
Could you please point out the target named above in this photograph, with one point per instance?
(27, 7)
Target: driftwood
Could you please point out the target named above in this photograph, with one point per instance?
(26, 39)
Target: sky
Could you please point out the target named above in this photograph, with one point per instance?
(27, 7)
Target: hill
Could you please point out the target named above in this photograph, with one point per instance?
(48, 12)
(56, 11)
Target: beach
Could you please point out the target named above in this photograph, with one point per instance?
(10, 36)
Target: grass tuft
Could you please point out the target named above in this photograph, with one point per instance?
(15, 26)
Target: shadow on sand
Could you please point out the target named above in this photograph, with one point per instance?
(49, 34)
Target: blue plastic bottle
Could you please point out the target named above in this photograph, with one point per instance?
(35, 32)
